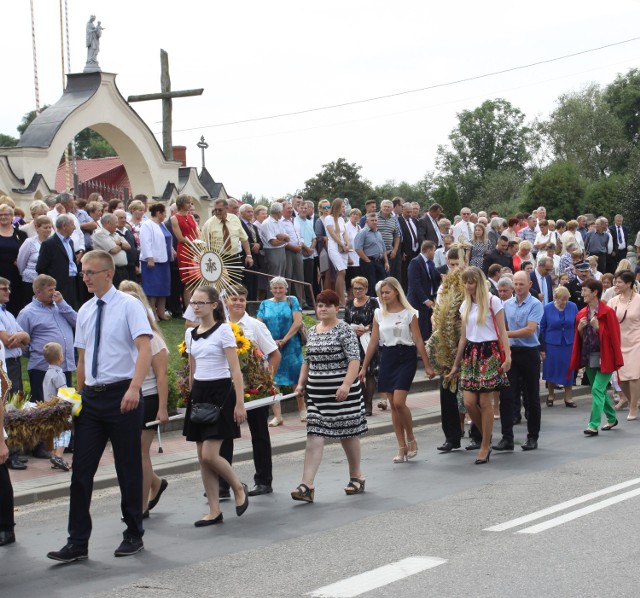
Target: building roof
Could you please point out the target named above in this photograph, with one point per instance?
(105, 169)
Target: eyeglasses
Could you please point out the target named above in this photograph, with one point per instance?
(91, 273)
(358, 288)
(199, 303)
(324, 207)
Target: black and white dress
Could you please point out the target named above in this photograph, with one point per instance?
(328, 357)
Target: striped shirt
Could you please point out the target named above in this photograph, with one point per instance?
(389, 229)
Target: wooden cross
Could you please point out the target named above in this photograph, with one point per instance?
(166, 96)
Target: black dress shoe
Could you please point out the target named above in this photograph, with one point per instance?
(41, 453)
(245, 505)
(129, 547)
(447, 447)
(530, 445)
(474, 445)
(7, 538)
(69, 553)
(504, 445)
(259, 489)
(206, 522)
(15, 463)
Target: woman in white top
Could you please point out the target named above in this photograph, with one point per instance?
(155, 392)
(353, 265)
(482, 370)
(29, 252)
(213, 364)
(338, 245)
(395, 328)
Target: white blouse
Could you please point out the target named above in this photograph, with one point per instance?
(395, 329)
(208, 353)
(483, 331)
(330, 222)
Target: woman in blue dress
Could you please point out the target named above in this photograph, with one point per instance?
(557, 329)
(282, 315)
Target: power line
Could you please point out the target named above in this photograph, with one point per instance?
(411, 91)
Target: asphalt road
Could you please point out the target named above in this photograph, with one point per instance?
(438, 507)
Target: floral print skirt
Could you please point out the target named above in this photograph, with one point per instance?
(479, 371)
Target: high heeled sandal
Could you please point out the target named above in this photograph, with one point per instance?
(355, 486)
(303, 493)
(412, 449)
(274, 422)
(401, 457)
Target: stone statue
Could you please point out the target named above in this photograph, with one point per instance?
(94, 33)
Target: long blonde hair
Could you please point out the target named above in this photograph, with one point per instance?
(336, 209)
(402, 298)
(473, 274)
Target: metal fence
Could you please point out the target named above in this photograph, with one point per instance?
(107, 191)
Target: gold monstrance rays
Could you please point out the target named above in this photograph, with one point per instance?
(208, 263)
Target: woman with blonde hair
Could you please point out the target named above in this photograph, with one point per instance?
(480, 246)
(395, 328)
(522, 255)
(338, 245)
(155, 393)
(483, 370)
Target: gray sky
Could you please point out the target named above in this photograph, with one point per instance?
(258, 59)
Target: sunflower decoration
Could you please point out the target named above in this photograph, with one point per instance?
(242, 342)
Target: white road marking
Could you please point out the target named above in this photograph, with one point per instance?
(561, 506)
(377, 578)
(540, 527)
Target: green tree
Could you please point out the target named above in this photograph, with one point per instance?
(583, 130)
(501, 190)
(339, 179)
(559, 187)
(248, 198)
(630, 202)
(492, 137)
(623, 98)
(7, 140)
(603, 197)
(408, 191)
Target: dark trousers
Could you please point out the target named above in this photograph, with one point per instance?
(525, 374)
(374, 272)
(6, 500)
(14, 372)
(507, 413)
(36, 378)
(174, 300)
(99, 421)
(260, 441)
(424, 322)
(317, 286)
(450, 416)
(308, 266)
(395, 266)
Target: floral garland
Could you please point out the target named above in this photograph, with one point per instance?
(258, 379)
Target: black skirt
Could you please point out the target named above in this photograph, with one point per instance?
(218, 392)
(398, 366)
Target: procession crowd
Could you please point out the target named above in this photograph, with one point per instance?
(491, 305)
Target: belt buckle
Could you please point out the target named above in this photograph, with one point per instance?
(99, 388)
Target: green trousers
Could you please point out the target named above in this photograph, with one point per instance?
(600, 400)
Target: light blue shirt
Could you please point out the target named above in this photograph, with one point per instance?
(73, 269)
(123, 320)
(49, 324)
(9, 324)
(308, 234)
(518, 315)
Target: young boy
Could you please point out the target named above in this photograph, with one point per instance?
(55, 379)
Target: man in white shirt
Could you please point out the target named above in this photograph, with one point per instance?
(274, 239)
(464, 228)
(257, 419)
(293, 249)
(107, 239)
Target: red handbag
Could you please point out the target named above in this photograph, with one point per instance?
(495, 326)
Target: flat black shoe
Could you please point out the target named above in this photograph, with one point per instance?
(7, 538)
(129, 547)
(245, 505)
(154, 501)
(590, 432)
(41, 453)
(474, 445)
(69, 553)
(206, 522)
(504, 445)
(16, 464)
(530, 445)
(260, 489)
(608, 427)
(447, 447)
(570, 404)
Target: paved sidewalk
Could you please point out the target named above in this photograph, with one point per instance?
(40, 482)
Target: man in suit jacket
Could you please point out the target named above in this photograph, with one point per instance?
(541, 282)
(255, 244)
(620, 236)
(424, 281)
(428, 225)
(57, 259)
(409, 245)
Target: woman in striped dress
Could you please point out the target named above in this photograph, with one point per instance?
(335, 407)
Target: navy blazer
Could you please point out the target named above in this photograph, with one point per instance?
(535, 287)
(419, 284)
(555, 328)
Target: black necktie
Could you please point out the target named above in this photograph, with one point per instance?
(96, 341)
(428, 265)
(620, 236)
